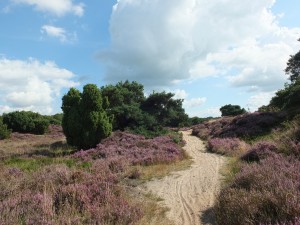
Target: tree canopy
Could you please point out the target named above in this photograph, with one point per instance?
(293, 67)
(289, 97)
(167, 110)
(232, 110)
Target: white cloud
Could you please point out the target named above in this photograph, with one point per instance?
(56, 7)
(194, 102)
(32, 85)
(208, 112)
(58, 32)
(180, 94)
(258, 100)
(161, 43)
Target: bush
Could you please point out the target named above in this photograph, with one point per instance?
(85, 122)
(55, 119)
(259, 151)
(227, 146)
(26, 122)
(267, 192)
(4, 132)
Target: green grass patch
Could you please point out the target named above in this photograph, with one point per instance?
(230, 169)
(34, 164)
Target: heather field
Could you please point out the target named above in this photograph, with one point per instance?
(261, 184)
(44, 181)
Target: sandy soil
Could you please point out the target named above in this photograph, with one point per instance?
(190, 194)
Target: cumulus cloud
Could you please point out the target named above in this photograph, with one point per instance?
(32, 85)
(180, 94)
(258, 100)
(58, 32)
(203, 113)
(194, 102)
(56, 7)
(160, 43)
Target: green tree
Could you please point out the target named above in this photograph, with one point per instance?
(166, 110)
(85, 121)
(124, 103)
(232, 110)
(293, 67)
(287, 98)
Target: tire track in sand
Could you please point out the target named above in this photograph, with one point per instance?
(190, 194)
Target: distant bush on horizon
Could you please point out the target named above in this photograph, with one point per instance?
(26, 122)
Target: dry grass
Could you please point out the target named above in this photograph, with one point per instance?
(230, 169)
(162, 170)
(50, 144)
(154, 214)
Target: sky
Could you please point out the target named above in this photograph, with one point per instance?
(208, 52)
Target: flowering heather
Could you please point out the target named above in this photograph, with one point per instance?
(259, 150)
(295, 221)
(60, 195)
(252, 124)
(227, 146)
(243, 126)
(267, 192)
(211, 128)
(295, 149)
(135, 149)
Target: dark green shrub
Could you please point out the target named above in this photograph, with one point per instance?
(55, 119)
(4, 132)
(26, 122)
(85, 122)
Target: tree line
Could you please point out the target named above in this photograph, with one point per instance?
(93, 114)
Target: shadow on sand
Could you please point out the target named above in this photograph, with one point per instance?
(208, 217)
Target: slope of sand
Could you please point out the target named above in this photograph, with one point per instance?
(190, 194)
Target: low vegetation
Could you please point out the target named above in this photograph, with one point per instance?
(246, 126)
(26, 122)
(42, 181)
(263, 186)
(134, 149)
(227, 146)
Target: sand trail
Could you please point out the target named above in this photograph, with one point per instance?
(190, 194)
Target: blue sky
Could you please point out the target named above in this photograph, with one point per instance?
(209, 53)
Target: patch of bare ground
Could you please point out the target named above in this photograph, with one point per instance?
(190, 194)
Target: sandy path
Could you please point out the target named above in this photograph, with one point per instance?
(190, 194)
